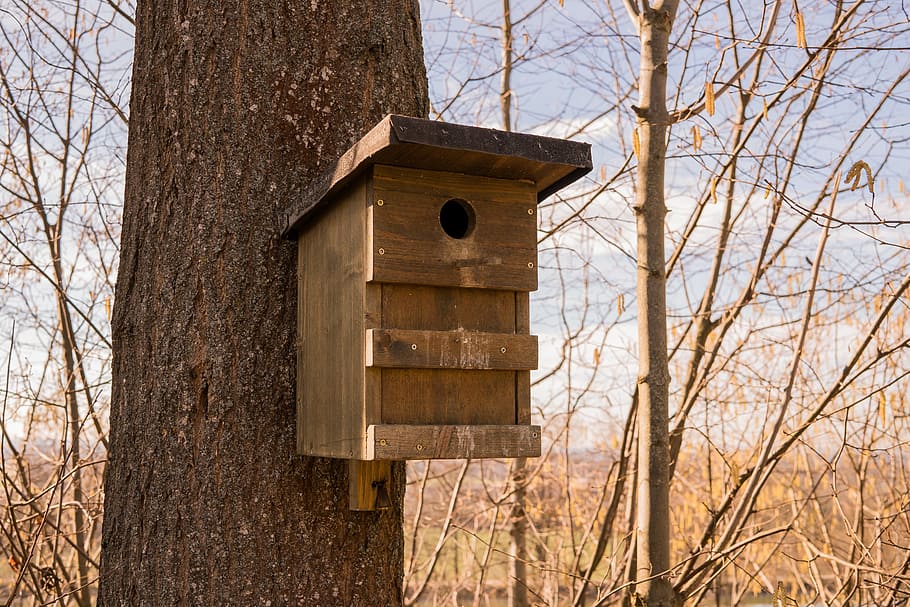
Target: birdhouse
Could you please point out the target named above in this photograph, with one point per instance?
(417, 251)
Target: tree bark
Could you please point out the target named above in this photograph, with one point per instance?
(235, 106)
(653, 586)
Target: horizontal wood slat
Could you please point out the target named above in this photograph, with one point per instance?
(398, 442)
(409, 349)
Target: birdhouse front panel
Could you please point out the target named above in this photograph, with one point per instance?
(448, 229)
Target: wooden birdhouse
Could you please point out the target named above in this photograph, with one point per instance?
(417, 251)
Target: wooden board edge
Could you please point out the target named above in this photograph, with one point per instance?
(406, 442)
(475, 350)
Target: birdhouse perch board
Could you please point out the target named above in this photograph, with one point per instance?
(417, 251)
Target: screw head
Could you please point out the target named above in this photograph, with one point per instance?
(503, 350)
(530, 263)
(419, 447)
(380, 202)
(381, 251)
(413, 346)
(530, 211)
(383, 442)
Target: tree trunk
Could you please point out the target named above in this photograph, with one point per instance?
(235, 106)
(518, 537)
(517, 585)
(68, 343)
(653, 585)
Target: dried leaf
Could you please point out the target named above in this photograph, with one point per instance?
(596, 356)
(883, 407)
(716, 42)
(714, 182)
(696, 137)
(107, 308)
(636, 144)
(800, 31)
(764, 109)
(620, 304)
(855, 174)
(603, 172)
(709, 98)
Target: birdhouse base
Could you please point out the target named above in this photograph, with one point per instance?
(369, 481)
(402, 442)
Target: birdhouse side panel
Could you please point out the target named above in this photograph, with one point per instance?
(331, 328)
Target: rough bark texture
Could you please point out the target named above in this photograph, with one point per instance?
(235, 106)
(653, 585)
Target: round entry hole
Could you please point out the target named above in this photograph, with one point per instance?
(456, 217)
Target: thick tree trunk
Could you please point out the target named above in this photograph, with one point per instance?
(235, 106)
(653, 585)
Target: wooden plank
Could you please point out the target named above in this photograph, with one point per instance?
(331, 331)
(372, 406)
(410, 349)
(410, 243)
(447, 309)
(550, 164)
(448, 396)
(522, 378)
(369, 484)
(400, 442)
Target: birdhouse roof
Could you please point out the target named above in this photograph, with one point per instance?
(426, 144)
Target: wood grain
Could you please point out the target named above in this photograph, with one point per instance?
(447, 396)
(550, 164)
(397, 442)
(331, 330)
(366, 481)
(404, 349)
(522, 378)
(447, 309)
(410, 246)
